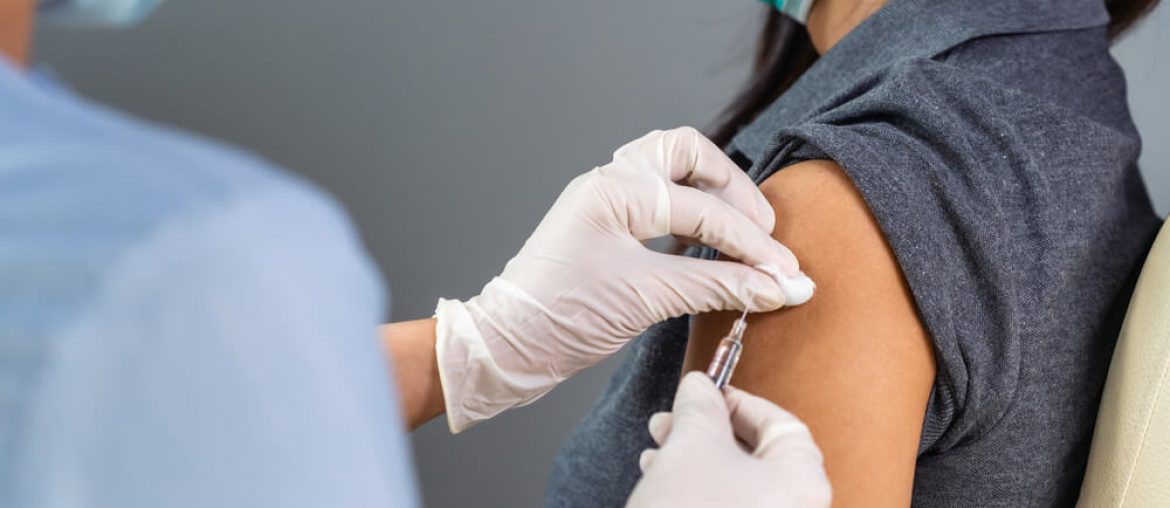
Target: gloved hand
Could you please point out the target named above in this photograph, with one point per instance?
(584, 283)
(699, 463)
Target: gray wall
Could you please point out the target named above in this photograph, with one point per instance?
(447, 127)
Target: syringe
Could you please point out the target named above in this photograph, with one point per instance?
(727, 354)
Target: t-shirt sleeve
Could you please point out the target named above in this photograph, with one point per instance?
(948, 165)
(928, 249)
(231, 359)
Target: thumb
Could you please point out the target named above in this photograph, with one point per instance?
(699, 410)
(767, 429)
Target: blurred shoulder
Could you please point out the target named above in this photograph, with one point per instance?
(83, 187)
(72, 167)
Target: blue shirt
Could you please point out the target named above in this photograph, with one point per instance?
(180, 324)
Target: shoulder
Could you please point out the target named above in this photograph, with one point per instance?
(992, 117)
(1055, 77)
(976, 175)
(88, 194)
(144, 268)
(261, 308)
(70, 168)
(1026, 60)
(66, 157)
(1001, 91)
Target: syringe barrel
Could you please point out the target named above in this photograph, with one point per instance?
(723, 364)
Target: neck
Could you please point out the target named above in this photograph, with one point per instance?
(16, 22)
(829, 21)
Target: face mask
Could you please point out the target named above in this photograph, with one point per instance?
(795, 9)
(95, 13)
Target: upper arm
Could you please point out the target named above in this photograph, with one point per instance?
(855, 362)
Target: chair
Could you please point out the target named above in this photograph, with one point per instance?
(1129, 463)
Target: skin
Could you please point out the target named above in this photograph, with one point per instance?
(830, 21)
(855, 362)
(16, 25)
(416, 369)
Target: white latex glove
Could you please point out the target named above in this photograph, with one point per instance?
(584, 283)
(699, 463)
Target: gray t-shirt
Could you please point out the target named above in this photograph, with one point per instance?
(993, 144)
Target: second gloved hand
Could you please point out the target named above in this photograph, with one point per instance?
(700, 463)
(584, 284)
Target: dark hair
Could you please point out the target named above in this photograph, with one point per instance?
(1124, 13)
(784, 51)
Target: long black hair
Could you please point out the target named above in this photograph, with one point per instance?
(784, 51)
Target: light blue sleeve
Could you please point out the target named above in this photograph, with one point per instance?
(230, 358)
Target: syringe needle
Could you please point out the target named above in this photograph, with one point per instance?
(740, 324)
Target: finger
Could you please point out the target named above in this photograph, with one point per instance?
(714, 223)
(699, 410)
(695, 286)
(769, 430)
(751, 415)
(685, 156)
(659, 426)
(646, 459)
(797, 290)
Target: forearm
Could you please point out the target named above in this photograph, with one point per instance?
(410, 347)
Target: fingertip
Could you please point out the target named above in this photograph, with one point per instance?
(746, 404)
(646, 459)
(731, 392)
(633, 145)
(699, 408)
(787, 437)
(764, 290)
(735, 399)
(796, 290)
(696, 388)
(766, 295)
(784, 260)
(659, 427)
(696, 380)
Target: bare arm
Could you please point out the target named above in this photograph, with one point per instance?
(410, 348)
(854, 363)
